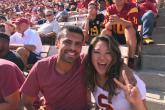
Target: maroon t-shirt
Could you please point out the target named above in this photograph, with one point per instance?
(11, 78)
(62, 92)
(145, 6)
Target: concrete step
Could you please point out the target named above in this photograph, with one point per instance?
(160, 20)
(161, 10)
(154, 49)
(158, 35)
(155, 100)
(153, 79)
(159, 29)
(156, 62)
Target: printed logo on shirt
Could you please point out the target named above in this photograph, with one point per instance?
(102, 99)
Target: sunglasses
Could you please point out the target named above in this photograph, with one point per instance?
(48, 15)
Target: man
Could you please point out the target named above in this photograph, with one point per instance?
(93, 23)
(62, 14)
(60, 78)
(11, 78)
(51, 27)
(49, 30)
(122, 20)
(7, 54)
(26, 41)
(148, 13)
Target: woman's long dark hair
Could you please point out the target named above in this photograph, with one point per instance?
(113, 70)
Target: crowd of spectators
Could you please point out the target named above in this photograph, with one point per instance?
(43, 18)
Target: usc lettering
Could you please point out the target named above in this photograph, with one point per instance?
(120, 29)
(94, 31)
(135, 20)
(102, 97)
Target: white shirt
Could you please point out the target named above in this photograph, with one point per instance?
(49, 27)
(30, 37)
(119, 102)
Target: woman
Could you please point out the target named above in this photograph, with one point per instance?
(108, 78)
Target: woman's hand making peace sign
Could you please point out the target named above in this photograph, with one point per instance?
(132, 93)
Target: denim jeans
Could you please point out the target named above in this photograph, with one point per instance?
(148, 23)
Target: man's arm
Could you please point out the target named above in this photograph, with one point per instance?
(29, 47)
(11, 102)
(28, 101)
(114, 19)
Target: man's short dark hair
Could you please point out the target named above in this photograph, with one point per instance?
(4, 36)
(70, 28)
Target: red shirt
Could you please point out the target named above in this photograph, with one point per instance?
(11, 78)
(83, 4)
(129, 12)
(62, 92)
(145, 6)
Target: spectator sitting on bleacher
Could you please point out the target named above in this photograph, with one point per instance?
(51, 27)
(10, 28)
(122, 20)
(102, 6)
(26, 41)
(148, 13)
(7, 54)
(62, 14)
(34, 16)
(72, 5)
(82, 6)
(93, 23)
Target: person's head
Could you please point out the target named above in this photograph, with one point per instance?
(49, 15)
(119, 3)
(22, 24)
(103, 61)
(69, 43)
(4, 44)
(34, 11)
(60, 6)
(92, 8)
(10, 28)
(102, 5)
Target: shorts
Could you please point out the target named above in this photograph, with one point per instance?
(119, 38)
(33, 58)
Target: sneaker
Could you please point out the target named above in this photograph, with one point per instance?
(148, 40)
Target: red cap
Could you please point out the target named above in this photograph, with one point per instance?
(21, 20)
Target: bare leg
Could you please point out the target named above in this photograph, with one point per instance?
(24, 53)
(131, 40)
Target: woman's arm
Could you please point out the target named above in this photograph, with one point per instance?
(132, 92)
(140, 105)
